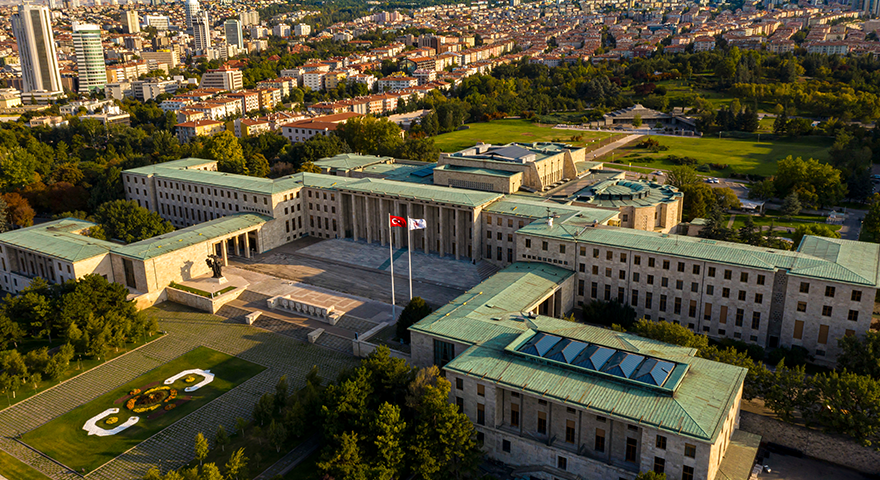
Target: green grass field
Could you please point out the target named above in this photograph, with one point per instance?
(741, 156)
(13, 469)
(64, 439)
(778, 221)
(506, 131)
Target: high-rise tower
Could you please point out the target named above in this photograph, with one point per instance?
(32, 27)
(191, 9)
(233, 33)
(201, 32)
(89, 57)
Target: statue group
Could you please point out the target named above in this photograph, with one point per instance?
(216, 264)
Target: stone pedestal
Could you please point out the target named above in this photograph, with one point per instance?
(219, 281)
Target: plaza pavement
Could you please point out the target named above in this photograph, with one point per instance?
(173, 446)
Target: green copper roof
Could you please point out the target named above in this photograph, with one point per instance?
(58, 239)
(454, 196)
(694, 402)
(351, 161)
(477, 171)
(534, 209)
(618, 192)
(836, 260)
(185, 237)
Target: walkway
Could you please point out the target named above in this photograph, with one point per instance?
(172, 447)
(731, 221)
(599, 152)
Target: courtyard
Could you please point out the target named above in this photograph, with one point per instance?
(171, 446)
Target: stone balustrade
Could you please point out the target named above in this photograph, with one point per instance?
(324, 313)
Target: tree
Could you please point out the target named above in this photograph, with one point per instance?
(637, 120)
(669, 333)
(210, 472)
(345, 462)
(815, 229)
(129, 222)
(860, 355)
(240, 425)
(201, 448)
(848, 403)
(414, 311)
(264, 408)
(237, 464)
(308, 167)
(790, 391)
(277, 435)
(651, 475)
(221, 438)
(371, 136)
(388, 431)
(791, 206)
(18, 210)
(226, 149)
(17, 168)
(281, 393)
(153, 474)
(871, 223)
(609, 313)
(763, 190)
(681, 176)
(258, 166)
(816, 184)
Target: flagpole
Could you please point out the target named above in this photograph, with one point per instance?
(409, 255)
(391, 256)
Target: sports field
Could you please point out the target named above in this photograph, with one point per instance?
(64, 439)
(507, 131)
(741, 156)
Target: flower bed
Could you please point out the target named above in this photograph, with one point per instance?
(151, 399)
(135, 391)
(111, 420)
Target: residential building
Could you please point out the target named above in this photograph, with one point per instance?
(302, 30)
(234, 35)
(167, 56)
(302, 130)
(249, 18)
(281, 30)
(224, 78)
(32, 27)
(199, 128)
(131, 21)
(201, 32)
(89, 57)
(160, 22)
(246, 127)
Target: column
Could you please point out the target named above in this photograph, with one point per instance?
(369, 220)
(354, 216)
(475, 236)
(225, 246)
(442, 234)
(456, 222)
(237, 248)
(247, 245)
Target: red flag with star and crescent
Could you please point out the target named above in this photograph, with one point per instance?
(398, 221)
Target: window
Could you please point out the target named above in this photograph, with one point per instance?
(687, 473)
(853, 315)
(659, 465)
(857, 295)
(710, 289)
(637, 259)
(651, 262)
(505, 446)
(756, 320)
(594, 290)
(595, 269)
(635, 298)
(826, 310)
(528, 243)
(759, 298)
(744, 277)
(636, 277)
(681, 266)
(481, 390)
(631, 446)
(760, 279)
(725, 292)
(542, 423)
(514, 414)
(798, 330)
(608, 272)
(443, 352)
(665, 264)
(740, 313)
(711, 272)
(128, 267)
(600, 440)
(620, 294)
(544, 246)
(805, 287)
(679, 284)
(481, 414)
(561, 463)
(802, 306)
(742, 296)
(728, 274)
(662, 303)
(459, 402)
(622, 275)
(622, 258)
(595, 253)
(650, 279)
(829, 291)
(609, 255)
(676, 308)
(607, 293)
(561, 248)
(648, 297)
(695, 287)
(661, 442)
(569, 431)
(459, 384)
(696, 269)
(690, 451)
(664, 282)
(849, 333)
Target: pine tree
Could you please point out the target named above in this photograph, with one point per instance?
(388, 431)
(281, 393)
(791, 205)
(345, 462)
(210, 472)
(414, 311)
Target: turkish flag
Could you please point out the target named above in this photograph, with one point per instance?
(398, 221)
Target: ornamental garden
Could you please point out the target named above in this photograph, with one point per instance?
(93, 434)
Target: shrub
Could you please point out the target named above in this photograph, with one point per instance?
(111, 420)
(703, 167)
(681, 160)
(796, 356)
(755, 352)
(170, 406)
(415, 310)
(135, 391)
(718, 166)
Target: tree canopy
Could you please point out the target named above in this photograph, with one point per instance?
(127, 221)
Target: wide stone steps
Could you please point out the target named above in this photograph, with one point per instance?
(486, 270)
(250, 296)
(335, 342)
(355, 324)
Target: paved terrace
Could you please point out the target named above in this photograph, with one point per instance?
(172, 447)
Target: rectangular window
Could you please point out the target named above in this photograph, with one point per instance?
(679, 284)
(544, 246)
(696, 269)
(741, 296)
(744, 277)
(634, 301)
(561, 248)
(759, 298)
(728, 274)
(756, 320)
(651, 262)
(761, 279)
(569, 431)
(561, 463)
(665, 264)
(687, 473)
(444, 352)
(802, 306)
(725, 292)
(690, 451)
(648, 297)
(622, 275)
(609, 255)
(128, 267)
(622, 258)
(829, 291)
(711, 272)
(826, 310)
(505, 446)
(740, 313)
(692, 309)
(528, 243)
(481, 414)
(661, 442)
(514, 414)
(695, 287)
(676, 308)
(856, 295)
(459, 384)
(542, 423)
(662, 303)
(595, 253)
(650, 279)
(853, 315)
(636, 277)
(620, 294)
(637, 259)
(659, 465)
(681, 266)
(600, 440)
(594, 290)
(595, 269)
(631, 446)
(710, 289)
(707, 312)
(823, 334)
(805, 287)
(798, 329)
(459, 402)
(722, 315)
(481, 390)
(607, 293)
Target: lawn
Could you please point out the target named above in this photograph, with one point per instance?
(741, 156)
(13, 469)
(778, 221)
(507, 131)
(64, 439)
